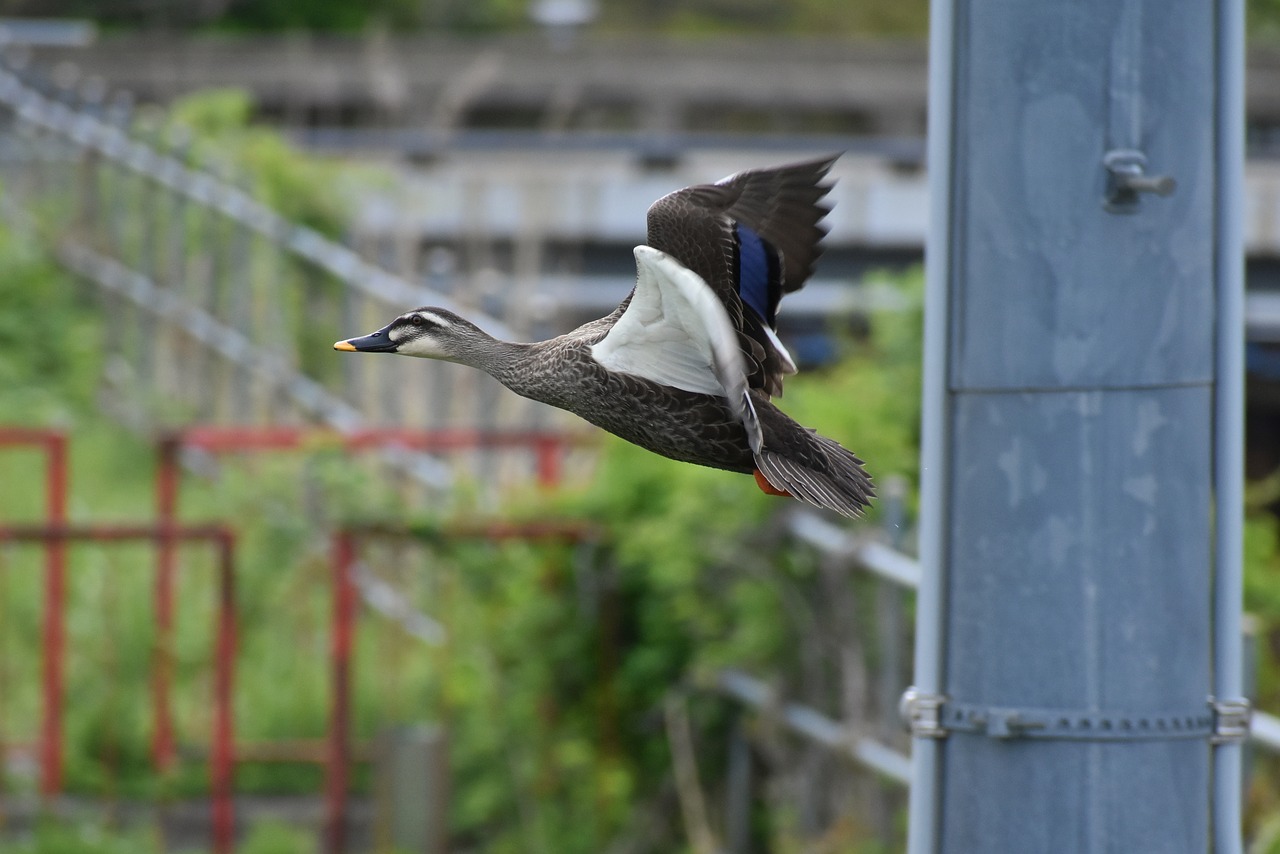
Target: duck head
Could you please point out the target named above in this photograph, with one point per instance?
(429, 333)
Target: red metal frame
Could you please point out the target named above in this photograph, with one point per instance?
(343, 640)
(167, 533)
(548, 447)
(345, 549)
(222, 751)
(54, 444)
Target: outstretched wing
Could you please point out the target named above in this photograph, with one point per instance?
(675, 332)
(751, 237)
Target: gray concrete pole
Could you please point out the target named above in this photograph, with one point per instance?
(1076, 337)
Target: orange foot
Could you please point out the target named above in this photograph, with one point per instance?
(768, 488)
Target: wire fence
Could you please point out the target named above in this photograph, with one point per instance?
(220, 310)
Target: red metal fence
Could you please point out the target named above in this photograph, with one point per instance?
(549, 449)
(343, 556)
(166, 535)
(222, 753)
(54, 445)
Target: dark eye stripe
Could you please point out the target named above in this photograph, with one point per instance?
(430, 319)
(420, 322)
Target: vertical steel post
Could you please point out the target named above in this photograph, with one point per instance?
(1081, 375)
(54, 617)
(934, 419)
(1228, 593)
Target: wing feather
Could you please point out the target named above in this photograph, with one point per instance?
(782, 207)
(676, 332)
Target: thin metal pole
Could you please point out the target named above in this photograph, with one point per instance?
(923, 802)
(222, 761)
(737, 811)
(344, 613)
(1228, 594)
(54, 618)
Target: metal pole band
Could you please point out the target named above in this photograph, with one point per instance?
(933, 716)
(1075, 724)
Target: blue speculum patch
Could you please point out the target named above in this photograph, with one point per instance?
(753, 270)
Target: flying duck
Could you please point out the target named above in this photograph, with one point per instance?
(687, 365)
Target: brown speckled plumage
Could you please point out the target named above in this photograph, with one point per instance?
(695, 226)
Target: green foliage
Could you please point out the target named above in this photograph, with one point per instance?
(870, 400)
(271, 837)
(299, 187)
(557, 659)
(1262, 585)
(688, 581)
(1263, 20)
(303, 188)
(54, 837)
(327, 15)
(60, 838)
(796, 17)
(49, 334)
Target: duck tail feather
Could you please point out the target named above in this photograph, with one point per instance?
(839, 483)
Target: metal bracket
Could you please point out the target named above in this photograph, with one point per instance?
(1230, 720)
(935, 716)
(922, 713)
(1126, 178)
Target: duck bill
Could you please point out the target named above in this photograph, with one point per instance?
(374, 342)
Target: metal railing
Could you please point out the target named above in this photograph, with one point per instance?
(829, 723)
(897, 568)
(221, 310)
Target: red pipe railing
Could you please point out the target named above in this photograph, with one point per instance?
(343, 640)
(54, 445)
(345, 550)
(222, 751)
(549, 449)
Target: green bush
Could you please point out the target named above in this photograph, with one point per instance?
(53, 837)
(273, 837)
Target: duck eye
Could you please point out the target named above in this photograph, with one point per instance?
(416, 320)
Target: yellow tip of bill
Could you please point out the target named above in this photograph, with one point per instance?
(344, 345)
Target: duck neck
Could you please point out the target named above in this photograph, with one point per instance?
(507, 362)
